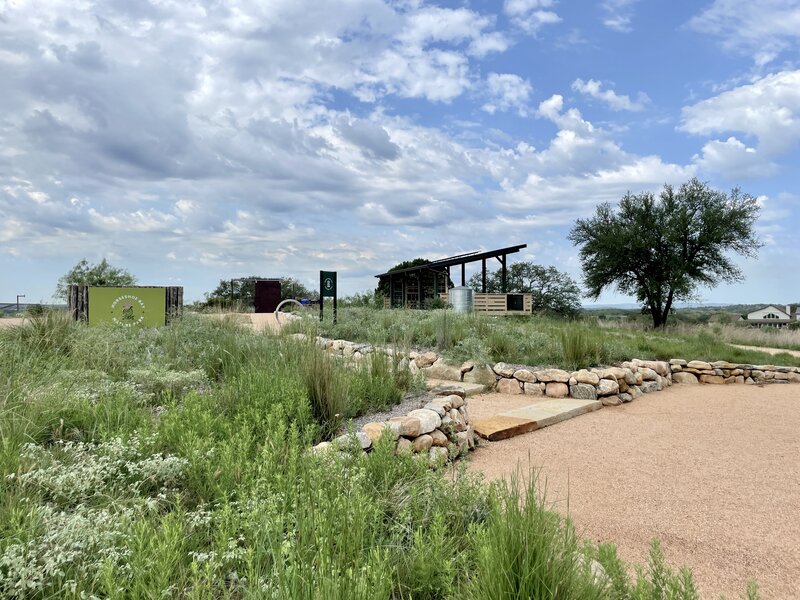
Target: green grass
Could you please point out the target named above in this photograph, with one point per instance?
(175, 463)
(536, 341)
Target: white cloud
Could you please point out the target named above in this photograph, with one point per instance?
(618, 14)
(767, 109)
(763, 29)
(507, 92)
(734, 160)
(531, 15)
(614, 101)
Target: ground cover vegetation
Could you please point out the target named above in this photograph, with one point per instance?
(535, 340)
(660, 250)
(175, 462)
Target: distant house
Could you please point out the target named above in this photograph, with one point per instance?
(772, 316)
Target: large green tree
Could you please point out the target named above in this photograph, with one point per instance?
(551, 290)
(243, 290)
(662, 249)
(85, 273)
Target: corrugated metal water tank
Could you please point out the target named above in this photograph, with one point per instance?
(461, 299)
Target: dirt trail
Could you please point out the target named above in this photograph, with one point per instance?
(768, 350)
(712, 471)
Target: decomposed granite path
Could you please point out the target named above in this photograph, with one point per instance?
(712, 471)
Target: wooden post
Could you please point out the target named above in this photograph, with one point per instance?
(483, 276)
(503, 281)
(463, 274)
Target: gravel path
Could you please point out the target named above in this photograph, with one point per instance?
(712, 471)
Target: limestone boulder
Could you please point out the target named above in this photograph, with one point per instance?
(625, 397)
(699, 365)
(647, 374)
(438, 455)
(438, 408)
(534, 389)
(525, 376)
(441, 370)
(404, 446)
(422, 443)
(584, 376)
(611, 400)
(482, 375)
(649, 387)
(508, 386)
(713, 379)
(659, 366)
(439, 438)
(553, 375)
(557, 389)
(449, 389)
(429, 419)
(349, 440)
(455, 401)
(607, 387)
(426, 359)
(467, 366)
(375, 430)
(504, 370)
(408, 426)
(684, 377)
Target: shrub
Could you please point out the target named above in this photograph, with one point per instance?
(328, 388)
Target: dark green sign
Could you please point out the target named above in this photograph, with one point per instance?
(327, 284)
(128, 306)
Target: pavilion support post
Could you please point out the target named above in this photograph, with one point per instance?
(463, 274)
(420, 291)
(483, 276)
(504, 273)
(435, 285)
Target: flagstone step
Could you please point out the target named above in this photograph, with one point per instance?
(532, 417)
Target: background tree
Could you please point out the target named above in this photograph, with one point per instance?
(383, 285)
(660, 250)
(551, 290)
(243, 290)
(101, 274)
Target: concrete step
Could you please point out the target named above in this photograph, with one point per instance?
(472, 389)
(532, 417)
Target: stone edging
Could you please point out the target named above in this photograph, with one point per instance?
(441, 429)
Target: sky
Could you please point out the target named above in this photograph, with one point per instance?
(194, 141)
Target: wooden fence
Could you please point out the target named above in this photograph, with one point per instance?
(490, 303)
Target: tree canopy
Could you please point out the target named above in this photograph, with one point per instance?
(101, 274)
(551, 290)
(661, 250)
(243, 290)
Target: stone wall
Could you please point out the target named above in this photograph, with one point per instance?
(615, 385)
(441, 429)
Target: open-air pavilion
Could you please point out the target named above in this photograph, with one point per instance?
(415, 287)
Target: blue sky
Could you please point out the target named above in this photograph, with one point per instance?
(190, 142)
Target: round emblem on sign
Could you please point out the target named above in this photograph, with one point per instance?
(127, 310)
(329, 284)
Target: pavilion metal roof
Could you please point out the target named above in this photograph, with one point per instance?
(459, 259)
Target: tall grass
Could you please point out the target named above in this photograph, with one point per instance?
(175, 463)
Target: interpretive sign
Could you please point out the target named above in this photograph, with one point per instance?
(327, 289)
(128, 306)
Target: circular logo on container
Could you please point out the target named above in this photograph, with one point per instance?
(127, 310)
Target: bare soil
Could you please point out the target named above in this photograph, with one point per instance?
(711, 471)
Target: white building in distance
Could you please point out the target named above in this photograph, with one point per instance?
(772, 316)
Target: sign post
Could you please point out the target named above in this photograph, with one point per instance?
(327, 289)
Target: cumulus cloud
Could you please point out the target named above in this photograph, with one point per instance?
(733, 159)
(763, 29)
(507, 92)
(618, 14)
(609, 97)
(202, 141)
(531, 15)
(767, 109)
